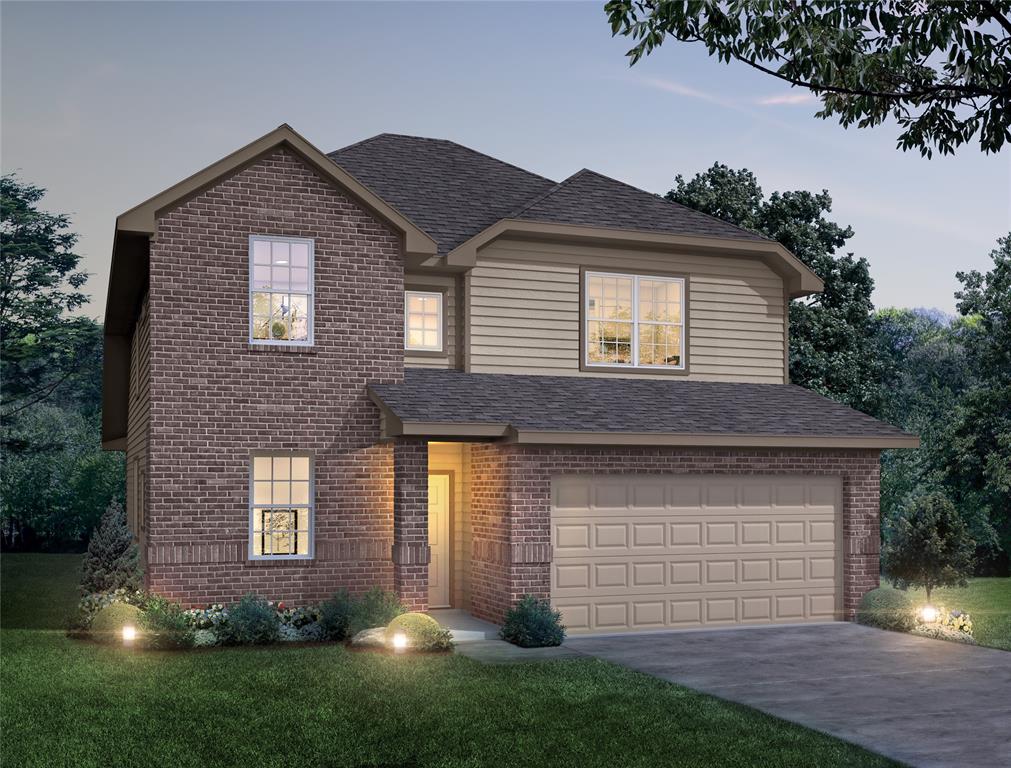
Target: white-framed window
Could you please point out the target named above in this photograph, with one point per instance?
(280, 290)
(281, 506)
(423, 320)
(634, 321)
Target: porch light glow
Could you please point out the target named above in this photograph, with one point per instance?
(399, 641)
(129, 634)
(929, 614)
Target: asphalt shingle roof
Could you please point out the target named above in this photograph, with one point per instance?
(453, 192)
(624, 404)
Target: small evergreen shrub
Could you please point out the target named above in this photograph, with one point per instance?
(343, 616)
(108, 623)
(423, 632)
(375, 608)
(165, 625)
(533, 623)
(204, 638)
(251, 621)
(113, 560)
(887, 609)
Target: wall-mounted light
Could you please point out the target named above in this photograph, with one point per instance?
(928, 614)
(399, 642)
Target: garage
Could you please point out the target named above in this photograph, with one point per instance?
(649, 552)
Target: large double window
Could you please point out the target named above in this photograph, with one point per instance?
(281, 506)
(633, 321)
(280, 290)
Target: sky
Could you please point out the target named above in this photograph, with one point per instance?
(107, 104)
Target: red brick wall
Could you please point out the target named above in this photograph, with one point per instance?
(411, 553)
(214, 398)
(511, 507)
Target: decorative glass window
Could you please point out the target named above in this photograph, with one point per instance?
(423, 320)
(280, 290)
(634, 321)
(281, 506)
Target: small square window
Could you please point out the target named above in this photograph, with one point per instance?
(423, 323)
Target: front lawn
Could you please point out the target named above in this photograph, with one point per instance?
(987, 601)
(71, 703)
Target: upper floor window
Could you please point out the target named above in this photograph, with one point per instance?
(634, 321)
(281, 506)
(280, 290)
(423, 320)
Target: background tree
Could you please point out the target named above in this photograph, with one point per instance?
(112, 561)
(55, 480)
(941, 71)
(976, 452)
(929, 546)
(831, 338)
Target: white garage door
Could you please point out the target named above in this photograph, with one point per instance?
(641, 552)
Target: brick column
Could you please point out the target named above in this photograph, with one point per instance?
(411, 553)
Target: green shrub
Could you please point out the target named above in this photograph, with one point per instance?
(165, 625)
(108, 623)
(113, 560)
(423, 632)
(887, 609)
(343, 616)
(533, 623)
(940, 632)
(251, 621)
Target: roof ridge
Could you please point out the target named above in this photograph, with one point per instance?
(544, 195)
(497, 160)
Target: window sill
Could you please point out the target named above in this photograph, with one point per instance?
(286, 348)
(289, 560)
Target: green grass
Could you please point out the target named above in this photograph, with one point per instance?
(987, 601)
(71, 703)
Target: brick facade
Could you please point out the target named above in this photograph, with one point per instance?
(411, 553)
(215, 398)
(511, 507)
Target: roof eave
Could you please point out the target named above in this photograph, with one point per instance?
(875, 442)
(799, 278)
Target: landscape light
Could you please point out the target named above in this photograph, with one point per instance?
(929, 614)
(399, 642)
(129, 634)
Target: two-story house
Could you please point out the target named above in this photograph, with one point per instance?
(410, 365)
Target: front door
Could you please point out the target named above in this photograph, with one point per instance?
(438, 540)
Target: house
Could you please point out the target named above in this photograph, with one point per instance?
(408, 364)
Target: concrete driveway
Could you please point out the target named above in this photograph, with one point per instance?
(923, 702)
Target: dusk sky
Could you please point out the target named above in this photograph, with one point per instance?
(108, 104)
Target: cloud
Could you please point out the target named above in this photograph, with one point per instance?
(671, 86)
(802, 97)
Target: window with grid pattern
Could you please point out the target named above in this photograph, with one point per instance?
(281, 506)
(423, 320)
(280, 290)
(634, 321)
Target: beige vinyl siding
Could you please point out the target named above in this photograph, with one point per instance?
(524, 313)
(138, 419)
(455, 458)
(447, 284)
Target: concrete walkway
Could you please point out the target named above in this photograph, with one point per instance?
(479, 640)
(924, 702)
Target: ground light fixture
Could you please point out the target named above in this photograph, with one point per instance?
(399, 642)
(129, 634)
(929, 614)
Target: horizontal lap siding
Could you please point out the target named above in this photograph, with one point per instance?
(138, 419)
(524, 313)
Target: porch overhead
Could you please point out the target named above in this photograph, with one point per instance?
(449, 405)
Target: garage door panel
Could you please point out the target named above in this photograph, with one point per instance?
(648, 552)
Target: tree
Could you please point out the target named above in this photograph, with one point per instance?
(113, 561)
(976, 452)
(40, 347)
(929, 546)
(942, 71)
(831, 338)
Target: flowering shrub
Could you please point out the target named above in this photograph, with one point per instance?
(938, 631)
(213, 617)
(956, 621)
(203, 638)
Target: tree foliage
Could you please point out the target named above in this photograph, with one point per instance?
(41, 348)
(112, 561)
(941, 71)
(929, 546)
(831, 339)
